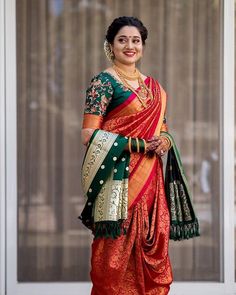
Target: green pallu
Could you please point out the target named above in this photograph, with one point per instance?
(105, 173)
(183, 221)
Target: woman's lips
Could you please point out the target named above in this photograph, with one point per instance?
(129, 53)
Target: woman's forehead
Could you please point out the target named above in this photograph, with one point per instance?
(129, 31)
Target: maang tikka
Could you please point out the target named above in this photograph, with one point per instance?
(108, 52)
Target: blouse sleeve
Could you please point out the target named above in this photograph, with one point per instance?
(98, 97)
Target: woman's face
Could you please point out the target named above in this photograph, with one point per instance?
(127, 45)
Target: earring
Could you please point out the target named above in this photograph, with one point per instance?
(108, 52)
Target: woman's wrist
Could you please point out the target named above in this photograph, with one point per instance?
(137, 145)
(167, 141)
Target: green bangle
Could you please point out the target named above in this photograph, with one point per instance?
(133, 145)
(137, 145)
(141, 146)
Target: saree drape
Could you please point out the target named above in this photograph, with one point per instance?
(105, 174)
(137, 263)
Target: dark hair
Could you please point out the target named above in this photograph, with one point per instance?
(122, 21)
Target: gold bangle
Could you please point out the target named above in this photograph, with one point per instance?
(129, 143)
(168, 141)
(145, 146)
(137, 142)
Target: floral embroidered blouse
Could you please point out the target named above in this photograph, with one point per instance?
(103, 94)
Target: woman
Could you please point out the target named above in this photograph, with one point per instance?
(125, 130)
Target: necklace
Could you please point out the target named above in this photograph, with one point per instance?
(128, 76)
(144, 91)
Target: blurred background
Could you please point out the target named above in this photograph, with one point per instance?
(59, 50)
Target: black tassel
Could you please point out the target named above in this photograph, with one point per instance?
(109, 229)
(180, 232)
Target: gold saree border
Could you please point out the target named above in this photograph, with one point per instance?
(162, 114)
(94, 158)
(140, 177)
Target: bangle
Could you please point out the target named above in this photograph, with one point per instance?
(145, 146)
(142, 146)
(137, 143)
(134, 145)
(129, 143)
(168, 141)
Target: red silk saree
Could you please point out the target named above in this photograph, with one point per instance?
(135, 263)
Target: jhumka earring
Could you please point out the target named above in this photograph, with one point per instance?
(107, 49)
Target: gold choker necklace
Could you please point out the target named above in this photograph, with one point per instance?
(128, 76)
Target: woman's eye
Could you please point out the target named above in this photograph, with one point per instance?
(122, 40)
(136, 41)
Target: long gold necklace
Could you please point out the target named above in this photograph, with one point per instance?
(144, 91)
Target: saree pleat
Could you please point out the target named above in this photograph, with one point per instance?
(136, 263)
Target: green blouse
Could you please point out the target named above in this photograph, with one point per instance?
(104, 94)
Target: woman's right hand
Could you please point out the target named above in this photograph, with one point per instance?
(152, 144)
(158, 145)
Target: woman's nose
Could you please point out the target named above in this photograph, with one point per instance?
(130, 44)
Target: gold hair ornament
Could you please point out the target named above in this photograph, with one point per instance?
(108, 52)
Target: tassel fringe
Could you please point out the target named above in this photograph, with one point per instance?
(180, 232)
(109, 229)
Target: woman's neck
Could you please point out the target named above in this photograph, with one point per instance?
(129, 69)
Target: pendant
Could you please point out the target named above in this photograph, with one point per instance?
(143, 95)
